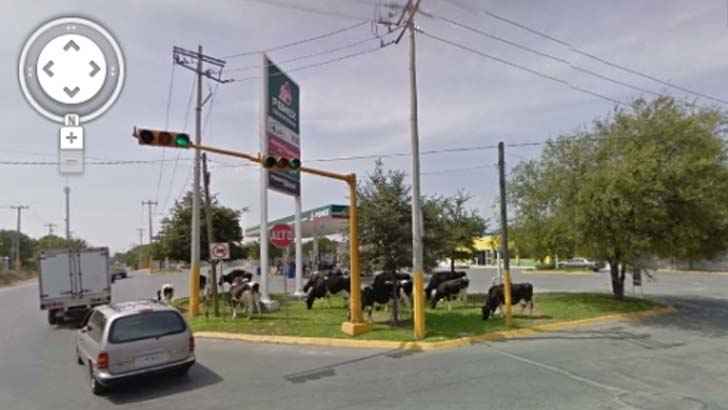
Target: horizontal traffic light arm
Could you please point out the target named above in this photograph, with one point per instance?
(256, 158)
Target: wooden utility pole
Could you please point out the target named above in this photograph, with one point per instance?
(20, 209)
(210, 237)
(504, 233)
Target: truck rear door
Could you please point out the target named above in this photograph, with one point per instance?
(56, 278)
(93, 271)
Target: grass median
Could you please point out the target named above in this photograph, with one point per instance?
(293, 319)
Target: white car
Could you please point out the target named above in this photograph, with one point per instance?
(124, 340)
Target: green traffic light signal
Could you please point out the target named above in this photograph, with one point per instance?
(182, 140)
(294, 164)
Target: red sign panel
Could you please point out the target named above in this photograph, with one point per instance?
(281, 236)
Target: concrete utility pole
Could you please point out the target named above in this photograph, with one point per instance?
(50, 228)
(67, 191)
(20, 209)
(504, 233)
(141, 235)
(149, 204)
(299, 250)
(194, 61)
(210, 236)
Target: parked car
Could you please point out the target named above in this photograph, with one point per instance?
(582, 263)
(125, 340)
(118, 272)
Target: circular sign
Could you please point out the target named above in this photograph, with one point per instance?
(71, 65)
(281, 236)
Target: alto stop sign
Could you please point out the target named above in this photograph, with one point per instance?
(281, 235)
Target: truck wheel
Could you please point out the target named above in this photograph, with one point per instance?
(52, 317)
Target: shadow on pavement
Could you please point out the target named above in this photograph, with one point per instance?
(154, 387)
(705, 315)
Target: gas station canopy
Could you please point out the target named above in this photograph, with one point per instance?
(321, 221)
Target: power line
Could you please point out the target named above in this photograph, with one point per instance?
(111, 162)
(579, 51)
(297, 42)
(547, 55)
(524, 68)
(307, 9)
(179, 154)
(306, 56)
(325, 62)
(166, 127)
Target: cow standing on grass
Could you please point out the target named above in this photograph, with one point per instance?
(520, 293)
(440, 277)
(324, 286)
(448, 290)
(245, 295)
(387, 287)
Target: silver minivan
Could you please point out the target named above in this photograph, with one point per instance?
(128, 339)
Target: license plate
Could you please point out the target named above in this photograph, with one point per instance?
(150, 360)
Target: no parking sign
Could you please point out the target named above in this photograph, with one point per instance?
(219, 251)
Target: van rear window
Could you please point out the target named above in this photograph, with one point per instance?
(146, 325)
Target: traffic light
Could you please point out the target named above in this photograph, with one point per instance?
(277, 162)
(162, 138)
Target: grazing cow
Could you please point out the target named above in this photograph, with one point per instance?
(246, 295)
(384, 287)
(520, 293)
(325, 286)
(230, 277)
(440, 277)
(448, 290)
(166, 293)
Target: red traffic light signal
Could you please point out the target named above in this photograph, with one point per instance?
(162, 138)
(283, 163)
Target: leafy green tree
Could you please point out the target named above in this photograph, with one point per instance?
(462, 226)
(644, 182)
(175, 233)
(7, 243)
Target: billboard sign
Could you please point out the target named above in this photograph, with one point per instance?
(282, 109)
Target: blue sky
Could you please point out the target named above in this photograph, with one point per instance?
(358, 106)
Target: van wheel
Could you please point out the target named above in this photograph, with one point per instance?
(52, 317)
(78, 358)
(96, 387)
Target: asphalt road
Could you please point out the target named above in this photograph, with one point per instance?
(678, 361)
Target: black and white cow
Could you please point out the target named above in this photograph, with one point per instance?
(166, 293)
(245, 295)
(520, 293)
(320, 286)
(440, 277)
(385, 287)
(448, 290)
(230, 277)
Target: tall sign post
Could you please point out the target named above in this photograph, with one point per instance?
(280, 142)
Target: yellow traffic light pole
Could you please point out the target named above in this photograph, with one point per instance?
(356, 324)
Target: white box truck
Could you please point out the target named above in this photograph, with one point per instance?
(72, 281)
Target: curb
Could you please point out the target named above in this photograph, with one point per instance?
(559, 272)
(430, 346)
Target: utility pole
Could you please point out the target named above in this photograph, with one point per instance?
(504, 233)
(210, 237)
(149, 204)
(20, 209)
(194, 61)
(50, 228)
(141, 235)
(67, 191)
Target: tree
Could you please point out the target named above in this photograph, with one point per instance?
(385, 219)
(463, 226)
(49, 242)
(175, 234)
(651, 181)
(7, 246)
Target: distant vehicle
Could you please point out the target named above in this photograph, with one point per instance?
(125, 340)
(118, 272)
(582, 263)
(72, 281)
